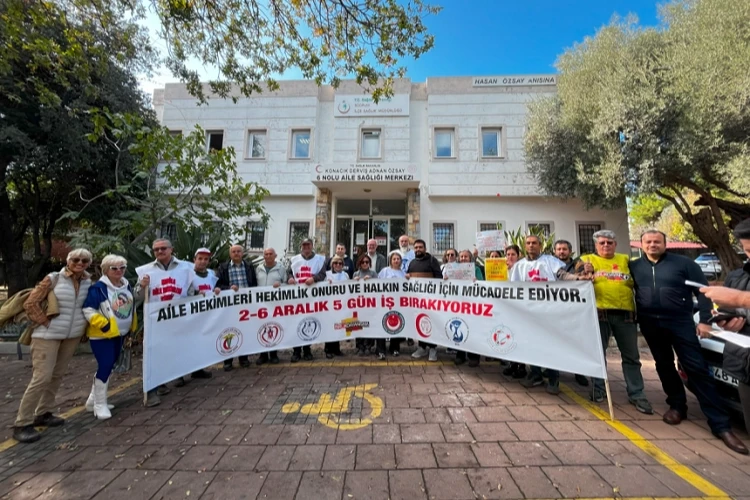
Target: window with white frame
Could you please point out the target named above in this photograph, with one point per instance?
(491, 142)
(298, 231)
(443, 237)
(168, 231)
(444, 139)
(301, 143)
(214, 229)
(544, 227)
(586, 232)
(215, 140)
(256, 144)
(256, 236)
(491, 226)
(370, 143)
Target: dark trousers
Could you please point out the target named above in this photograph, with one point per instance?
(273, 354)
(395, 345)
(241, 359)
(298, 350)
(744, 390)
(464, 355)
(425, 345)
(669, 337)
(332, 347)
(106, 352)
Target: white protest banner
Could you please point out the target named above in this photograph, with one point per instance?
(167, 285)
(490, 240)
(459, 271)
(550, 324)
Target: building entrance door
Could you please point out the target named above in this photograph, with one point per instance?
(384, 220)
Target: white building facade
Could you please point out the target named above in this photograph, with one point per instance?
(440, 161)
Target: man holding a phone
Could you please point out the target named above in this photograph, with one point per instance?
(664, 304)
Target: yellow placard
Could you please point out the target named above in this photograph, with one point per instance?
(496, 270)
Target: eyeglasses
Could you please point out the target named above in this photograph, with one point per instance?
(365, 262)
(76, 260)
(450, 255)
(160, 249)
(338, 263)
(605, 243)
(117, 268)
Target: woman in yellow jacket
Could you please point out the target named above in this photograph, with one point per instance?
(110, 311)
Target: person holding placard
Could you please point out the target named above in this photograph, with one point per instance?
(512, 254)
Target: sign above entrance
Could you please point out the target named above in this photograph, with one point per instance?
(513, 81)
(366, 172)
(345, 106)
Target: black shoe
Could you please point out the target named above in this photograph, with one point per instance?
(459, 361)
(180, 382)
(261, 361)
(329, 355)
(409, 341)
(582, 381)
(163, 390)
(228, 366)
(519, 373)
(48, 420)
(473, 363)
(245, 363)
(295, 357)
(307, 356)
(509, 371)
(201, 374)
(274, 360)
(26, 434)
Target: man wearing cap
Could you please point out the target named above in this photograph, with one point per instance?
(234, 275)
(203, 282)
(305, 268)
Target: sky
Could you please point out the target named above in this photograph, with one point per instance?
(498, 37)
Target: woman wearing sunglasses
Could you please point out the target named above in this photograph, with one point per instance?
(53, 342)
(110, 311)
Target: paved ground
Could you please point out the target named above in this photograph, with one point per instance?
(355, 429)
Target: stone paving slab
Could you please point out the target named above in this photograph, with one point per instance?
(424, 431)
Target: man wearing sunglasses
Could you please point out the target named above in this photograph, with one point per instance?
(164, 261)
(613, 287)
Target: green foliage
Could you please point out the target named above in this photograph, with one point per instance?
(174, 179)
(654, 111)
(518, 237)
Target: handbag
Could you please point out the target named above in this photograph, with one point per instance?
(124, 360)
(50, 306)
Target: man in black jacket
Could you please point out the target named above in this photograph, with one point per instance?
(736, 357)
(234, 275)
(424, 265)
(664, 305)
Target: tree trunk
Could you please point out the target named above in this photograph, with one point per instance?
(705, 229)
(10, 247)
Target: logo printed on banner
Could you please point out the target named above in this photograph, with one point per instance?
(393, 322)
(424, 325)
(309, 329)
(270, 334)
(352, 324)
(501, 339)
(457, 330)
(229, 340)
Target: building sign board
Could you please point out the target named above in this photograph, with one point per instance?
(364, 105)
(513, 81)
(366, 172)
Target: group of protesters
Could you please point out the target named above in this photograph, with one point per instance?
(650, 293)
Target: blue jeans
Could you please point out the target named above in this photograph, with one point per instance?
(622, 326)
(106, 352)
(666, 337)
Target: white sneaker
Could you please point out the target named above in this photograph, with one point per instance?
(421, 352)
(433, 354)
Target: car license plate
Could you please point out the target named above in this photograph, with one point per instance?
(723, 376)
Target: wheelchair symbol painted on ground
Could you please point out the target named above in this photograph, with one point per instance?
(333, 412)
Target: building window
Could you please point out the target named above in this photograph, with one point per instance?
(300, 143)
(168, 231)
(491, 226)
(370, 144)
(544, 227)
(215, 229)
(256, 144)
(256, 236)
(444, 142)
(298, 231)
(175, 133)
(215, 140)
(586, 237)
(442, 237)
(491, 142)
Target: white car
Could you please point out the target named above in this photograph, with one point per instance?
(726, 385)
(709, 263)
